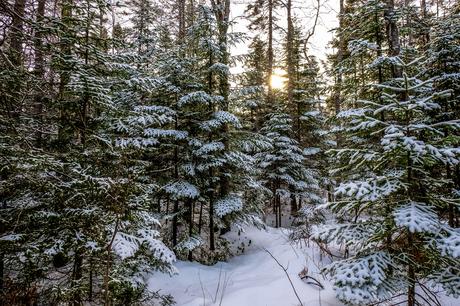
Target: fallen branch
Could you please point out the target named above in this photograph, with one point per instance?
(287, 274)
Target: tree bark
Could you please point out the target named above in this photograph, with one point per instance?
(212, 245)
(294, 206)
(76, 277)
(270, 54)
(190, 225)
(340, 54)
(66, 49)
(289, 54)
(16, 33)
(181, 17)
(392, 30)
(39, 71)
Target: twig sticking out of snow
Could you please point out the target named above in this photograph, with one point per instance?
(309, 279)
(287, 274)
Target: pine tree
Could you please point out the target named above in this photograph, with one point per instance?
(91, 209)
(283, 169)
(444, 65)
(394, 234)
(262, 14)
(252, 92)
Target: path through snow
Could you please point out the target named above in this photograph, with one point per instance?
(251, 279)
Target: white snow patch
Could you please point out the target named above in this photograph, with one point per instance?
(251, 279)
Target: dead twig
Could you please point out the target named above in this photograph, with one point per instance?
(287, 275)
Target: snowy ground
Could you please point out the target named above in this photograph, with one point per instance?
(250, 279)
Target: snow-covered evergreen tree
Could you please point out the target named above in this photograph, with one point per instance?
(97, 235)
(283, 169)
(390, 203)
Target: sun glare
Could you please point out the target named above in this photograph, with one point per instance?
(277, 79)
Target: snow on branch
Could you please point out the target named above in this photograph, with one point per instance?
(199, 97)
(364, 280)
(219, 119)
(228, 205)
(372, 190)
(182, 189)
(417, 217)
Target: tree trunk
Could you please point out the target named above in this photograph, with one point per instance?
(190, 225)
(289, 59)
(39, 71)
(85, 102)
(181, 17)
(270, 53)
(200, 218)
(66, 49)
(16, 33)
(2, 268)
(294, 206)
(456, 179)
(212, 245)
(175, 222)
(392, 30)
(90, 289)
(76, 277)
(340, 54)
(275, 208)
(278, 204)
(411, 276)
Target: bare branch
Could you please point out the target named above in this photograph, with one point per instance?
(313, 29)
(287, 274)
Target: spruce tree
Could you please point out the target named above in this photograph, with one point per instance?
(392, 230)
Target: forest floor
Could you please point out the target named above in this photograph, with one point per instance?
(253, 277)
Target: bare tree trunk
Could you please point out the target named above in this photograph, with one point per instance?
(278, 204)
(340, 54)
(39, 71)
(190, 225)
(456, 179)
(175, 222)
(275, 208)
(66, 49)
(451, 209)
(212, 245)
(90, 289)
(289, 59)
(76, 277)
(270, 53)
(191, 13)
(411, 277)
(392, 30)
(181, 4)
(200, 218)
(295, 106)
(2, 268)
(16, 33)
(85, 102)
(15, 60)
(108, 264)
(294, 205)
